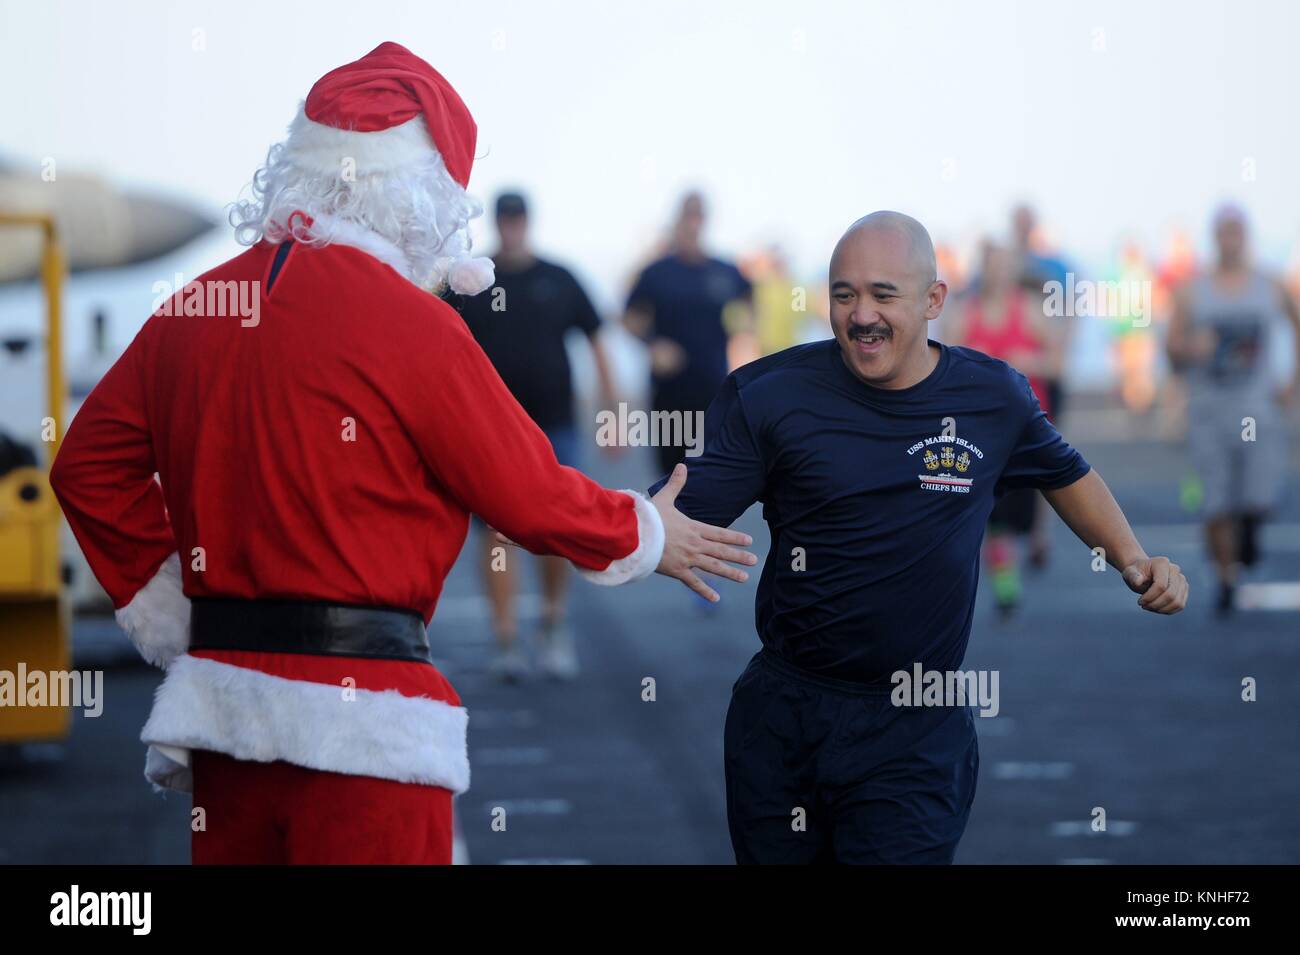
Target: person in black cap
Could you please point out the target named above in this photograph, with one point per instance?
(521, 323)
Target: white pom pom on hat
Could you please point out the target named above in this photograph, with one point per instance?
(469, 276)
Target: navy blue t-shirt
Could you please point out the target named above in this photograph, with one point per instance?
(686, 300)
(876, 515)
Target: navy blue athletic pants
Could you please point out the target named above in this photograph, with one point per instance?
(822, 770)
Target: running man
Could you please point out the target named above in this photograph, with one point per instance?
(521, 324)
(877, 455)
(1221, 336)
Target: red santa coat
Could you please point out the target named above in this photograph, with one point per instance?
(331, 447)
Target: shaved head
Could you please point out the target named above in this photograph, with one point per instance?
(885, 290)
(904, 227)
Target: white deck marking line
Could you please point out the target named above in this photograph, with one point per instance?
(544, 861)
(531, 806)
(481, 718)
(1280, 595)
(1083, 827)
(511, 756)
(1031, 770)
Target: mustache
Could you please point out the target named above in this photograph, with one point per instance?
(876, 328)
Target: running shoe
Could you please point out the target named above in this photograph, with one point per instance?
(558, 656)
(509, 665)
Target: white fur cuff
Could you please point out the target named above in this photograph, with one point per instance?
(157, 619)
(644, 558)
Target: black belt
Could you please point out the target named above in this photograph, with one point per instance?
(297, 626)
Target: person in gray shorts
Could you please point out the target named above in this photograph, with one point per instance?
(1221, 337)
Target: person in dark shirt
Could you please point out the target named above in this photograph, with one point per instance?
(676, 307)
(877, 456)
(521, 324)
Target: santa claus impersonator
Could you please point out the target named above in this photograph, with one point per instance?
(273, 507)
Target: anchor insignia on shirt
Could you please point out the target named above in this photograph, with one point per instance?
(942, 460)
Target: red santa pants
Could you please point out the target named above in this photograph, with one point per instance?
(268, 813)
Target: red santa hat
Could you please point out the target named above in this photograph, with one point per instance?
(385, 111)
(390, 114)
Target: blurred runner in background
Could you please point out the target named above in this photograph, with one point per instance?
(1133, 337)
(676, 307)
(1035, 267)
(521, 324)
(1176, 265)
(1220, 337)
(778, 319)
(1003, 319)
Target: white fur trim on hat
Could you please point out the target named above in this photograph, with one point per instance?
(255, 716)
(324, 150)
(645, 556)
(157, 619)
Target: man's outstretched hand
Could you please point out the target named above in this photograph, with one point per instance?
(690, 545)
(1161, 584)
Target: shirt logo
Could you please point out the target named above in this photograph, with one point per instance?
(941, 455)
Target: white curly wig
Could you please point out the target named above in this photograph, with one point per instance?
(391, 184)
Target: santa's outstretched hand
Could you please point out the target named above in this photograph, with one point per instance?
(691, 545)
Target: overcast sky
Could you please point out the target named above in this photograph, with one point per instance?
(1116, 119)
